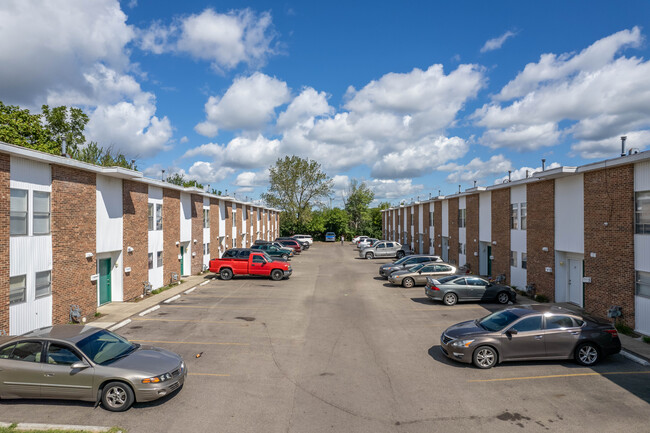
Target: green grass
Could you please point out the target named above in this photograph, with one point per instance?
(541, 298)
(627, 330)
(646, 339)
(12, 429)
(167, 287)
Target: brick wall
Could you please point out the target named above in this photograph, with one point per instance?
(172, 233)
(197, 234)
(501, 232)
(228, 210)
(609, 198)
(4, 241)
(214, 228)
(471, 232)
(425, 229)
(136, 235)
(540, 222)
(453, 231)
(437, 227)
(73, 235)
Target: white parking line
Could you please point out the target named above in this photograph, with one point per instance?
(119, 325)
(187, 292)
(149, 310)
(634, 358)
(173, 298)
(204, 283)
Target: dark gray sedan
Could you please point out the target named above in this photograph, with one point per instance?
(454, 288)
(531, 332)
(85, 363)
(401, 264)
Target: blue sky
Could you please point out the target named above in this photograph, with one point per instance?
(411, 97)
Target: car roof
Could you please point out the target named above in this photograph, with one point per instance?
(71, 333)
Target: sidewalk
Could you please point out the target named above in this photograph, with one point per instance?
(116, 312)
(636, 346)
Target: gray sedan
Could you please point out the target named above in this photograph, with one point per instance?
(454, 288)
(85, 363)
(417, 275)
(404, 262)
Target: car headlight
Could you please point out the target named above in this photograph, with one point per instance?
(462, 343)
(157, 379)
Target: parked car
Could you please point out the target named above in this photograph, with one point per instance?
(274, 251)
(303, 243)
(85, 363)
(357, 239)
(306, 238)
(401, 264)
(417, 274)
(330, 237)
(380, 249)
(368, 242)
(531, 332)
(291, 243)
(245, 261)
(455, 288)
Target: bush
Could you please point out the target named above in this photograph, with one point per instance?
(646, 339)
(624, 329)
(541, 298)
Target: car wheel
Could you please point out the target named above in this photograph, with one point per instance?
(276, 275)
(450, 299)
(503, 298)
(485, 357)
(225, 274)
(587, 354)
(408, 282)
(369, 256)
(285, 256)
(399, 254)
(117, 396)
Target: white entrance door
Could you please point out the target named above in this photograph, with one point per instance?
(575, 282)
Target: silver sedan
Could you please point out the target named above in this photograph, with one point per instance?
(417, 275)
(85, 363)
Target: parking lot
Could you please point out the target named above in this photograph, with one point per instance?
(336, 349)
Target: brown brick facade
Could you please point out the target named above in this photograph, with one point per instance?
(501, 232)
(197, 234)
(609, 232)
(172, 234)
(453, 231)
(5, 162)
(437, 227)
(74, 219)
(540, 233)
(135, 223)
(471, 232)
(426, 234)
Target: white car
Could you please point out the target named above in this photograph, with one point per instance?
(366, 243)
(304, 238)
(359, 238)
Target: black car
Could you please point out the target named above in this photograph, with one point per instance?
(303, 243)
(404, 262)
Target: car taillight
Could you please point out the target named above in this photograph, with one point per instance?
(612, 332)
(434, 288)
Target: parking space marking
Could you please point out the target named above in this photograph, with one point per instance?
(187, 292)
(234, 307)
(553, 376)
(172, 299)
(209, 374)
(189, 321)
(204, 283)
(465, 307)
(192, 342)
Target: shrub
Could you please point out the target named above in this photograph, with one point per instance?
(541, 298)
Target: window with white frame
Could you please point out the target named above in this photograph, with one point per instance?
(431, 219)
(461, 217)
(150, 216)
(514, 216)
(18, 212)
(643, 284)
(41, 214)
(43, 284)
(642, 213)
(513, 259)
(523, 216)
(524, 261)
(159, 259)
(206, 218)
(206, 249)
(150, 260)
(17, 289)
(159, 216)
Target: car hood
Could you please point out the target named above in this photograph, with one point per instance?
(391, 266)
(402, 273)
(149, 360)
(465, 329)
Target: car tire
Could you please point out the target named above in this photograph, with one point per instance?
(117, 396)
(369, 256)
(408, 282)
(450, 299)
(225, 274)
(277, 274)
(399, 254)
(285, 256)
(587, 354)
(485, 357)
(503, 297)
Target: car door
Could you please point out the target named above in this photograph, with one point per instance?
(21, 369)
(60, 380)
(561, 334)
(461, 288)
(241, 262)
(391, 249)
(258, 265)
(380, 250)
(423, 273)
(478, 288)
(526, 343)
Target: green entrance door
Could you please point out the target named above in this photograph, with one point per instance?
(489, 260)
(104, 281)
(182, 259)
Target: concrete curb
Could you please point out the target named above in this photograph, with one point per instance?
(149, 310)
(187, 292)
(35, 426)
(634, 357)
(172, 299)
(119, 325)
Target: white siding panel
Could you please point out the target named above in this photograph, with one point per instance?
(233, 234)
(109, 214)
(186, 217)
(35, 174)
(244, 219)
(485, 217)
(445, 218)
(29, 254)
(222, 218)
(569, 214)
(462, 202)
(642, 314)
(518, 194)
(155, 193)
(642, 176)
(642, 253)
(518, 275)
(27, 316)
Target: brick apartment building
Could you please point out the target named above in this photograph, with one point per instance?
(76, 236)
(578, 234)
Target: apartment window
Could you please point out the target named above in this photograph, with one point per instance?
(206, 218)
(18, 212)
(150, 260)
(17, 289)
(206, 249)
(514, 216)
(523, 216)
(159, 217)
(524, 261)
(461, 217)
(159, 261)
(513, 259)
(41, 224)
(150, 216)
(641, 212)
(430, 219)
(43, 284)
(643, 284)
(461, 248)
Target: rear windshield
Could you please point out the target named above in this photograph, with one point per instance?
(443, 280)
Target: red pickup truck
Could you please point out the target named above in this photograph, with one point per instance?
(245, 261)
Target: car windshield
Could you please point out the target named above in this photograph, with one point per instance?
(267, 257)
(497, 321)
(400, 261)
(104, 347)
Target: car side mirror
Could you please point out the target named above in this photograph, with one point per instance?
(80, 365)
(513, 331)
(420, 272)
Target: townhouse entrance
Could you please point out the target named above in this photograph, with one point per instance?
(445, 249)
(104, 266)
(575, 282)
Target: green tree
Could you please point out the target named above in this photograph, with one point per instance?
(94, 154)
(336, 220)
(67, 124)
(376, 221)
(21, 128)
(359, 197)
(180, 180)
(296, 185)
